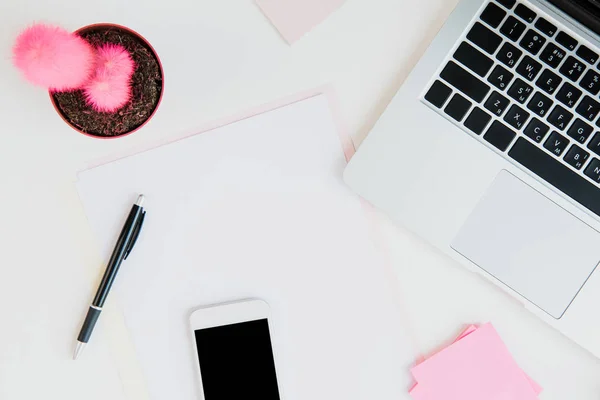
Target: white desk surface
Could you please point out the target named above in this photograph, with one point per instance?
(220, 58)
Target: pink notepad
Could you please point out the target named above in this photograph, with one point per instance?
(294, 18)
(477, 365)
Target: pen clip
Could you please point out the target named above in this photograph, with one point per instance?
(135, 235)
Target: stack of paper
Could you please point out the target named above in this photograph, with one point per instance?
(253, 209)
(476, 366)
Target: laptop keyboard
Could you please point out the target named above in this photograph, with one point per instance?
(527, 87)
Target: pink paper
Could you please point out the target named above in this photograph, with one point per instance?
(418, 392)
(293, 18)
(476, 366)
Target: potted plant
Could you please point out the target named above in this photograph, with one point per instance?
(105, 80)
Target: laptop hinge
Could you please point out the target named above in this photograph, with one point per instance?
(586, 12)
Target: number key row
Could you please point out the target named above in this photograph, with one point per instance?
(572, 68)
(532, 42)
(591, 82)
(552, 55)
(512, 28)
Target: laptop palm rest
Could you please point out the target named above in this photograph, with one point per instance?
(530, 244)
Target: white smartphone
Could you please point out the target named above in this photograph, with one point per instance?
(234, 351)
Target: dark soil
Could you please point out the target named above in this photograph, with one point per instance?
(146, 84)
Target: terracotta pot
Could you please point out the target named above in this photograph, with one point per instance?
(141, 38)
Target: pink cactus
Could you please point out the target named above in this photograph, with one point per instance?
(107, 93)
(53, 58)
(113, 59)
(57, 60)
(110, 89)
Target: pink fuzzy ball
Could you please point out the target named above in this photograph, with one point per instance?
(53, 58)
(114, 59)
(106, 93)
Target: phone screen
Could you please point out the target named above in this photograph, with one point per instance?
(236, 361)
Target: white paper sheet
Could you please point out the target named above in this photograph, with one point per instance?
(254, 209)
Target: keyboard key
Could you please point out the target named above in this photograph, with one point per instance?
(512, 28)
(552, 55)
(500, 77)
(484, 38)
(568, 94)
(509, 54)
(438, 93)
(457, 107)
(516, 116)
(587, 54)
(532, 42)
(557, 174)
(536, 130)
(477, 120)
(529, 68)
(464, 81)
(588, 108)
(572, 68)
(493, 15)
(594, 144)
(520, 91)
(576, 157)
(548, 81)
(499, 135)
(507, 3)
(580, 131)
(473, 59)
(591, 82)
(560, 118)
(539, 104)
(496, 103)
(525, 13)
(556, 143)
(545, 27)
(592, 171)
(566, 40)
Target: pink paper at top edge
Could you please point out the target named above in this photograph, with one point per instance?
(471, 328)
(527, 387)
(294, 18)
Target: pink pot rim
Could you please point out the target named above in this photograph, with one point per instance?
(110, 25)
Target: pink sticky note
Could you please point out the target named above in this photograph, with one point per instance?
(477, 366)
(534, 385)
(470, 329)
(293, 18)
(418, 392)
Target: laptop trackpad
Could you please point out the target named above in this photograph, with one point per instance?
(530, 244)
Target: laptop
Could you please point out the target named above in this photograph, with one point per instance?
(490, 151)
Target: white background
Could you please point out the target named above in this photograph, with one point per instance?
(220, 57)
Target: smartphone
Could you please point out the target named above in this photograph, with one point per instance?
(234, 351)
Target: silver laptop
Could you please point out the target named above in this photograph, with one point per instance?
(491, 152)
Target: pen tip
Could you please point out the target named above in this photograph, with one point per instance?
(78, 349)
(140, 200)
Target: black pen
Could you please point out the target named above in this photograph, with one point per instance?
(123, 247)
